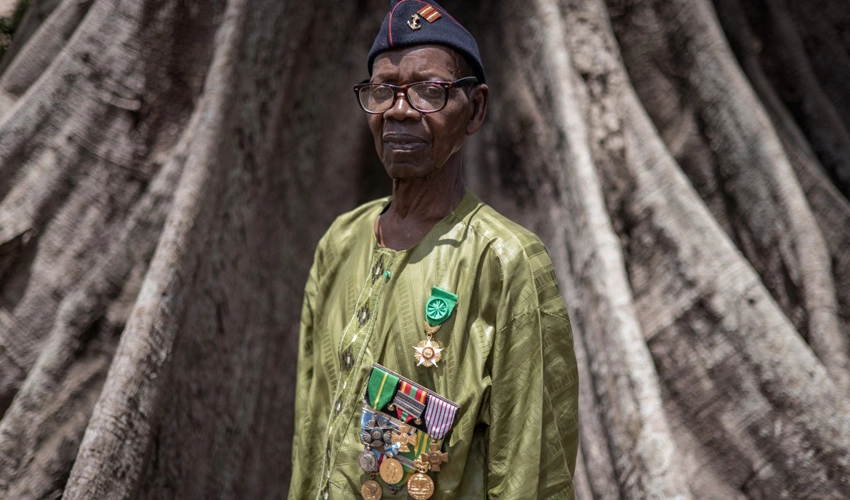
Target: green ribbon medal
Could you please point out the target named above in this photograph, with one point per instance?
(439, 307)
(381, 388)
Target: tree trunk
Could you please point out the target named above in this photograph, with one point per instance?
(167, 167)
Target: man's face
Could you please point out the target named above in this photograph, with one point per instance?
(412, 144)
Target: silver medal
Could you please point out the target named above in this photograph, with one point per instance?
(368, 462)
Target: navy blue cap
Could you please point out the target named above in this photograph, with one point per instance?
(416, 22)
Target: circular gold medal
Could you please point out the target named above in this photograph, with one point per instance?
(371, 490)
(391, 471)
(420, 486)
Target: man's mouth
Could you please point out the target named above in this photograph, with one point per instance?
(403, 142)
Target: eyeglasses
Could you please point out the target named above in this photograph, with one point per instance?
(425, 97)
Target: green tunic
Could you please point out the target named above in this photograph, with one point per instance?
(508, 359)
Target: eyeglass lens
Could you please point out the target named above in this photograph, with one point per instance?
(422, 96)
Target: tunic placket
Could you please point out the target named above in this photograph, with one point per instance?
(355, 341)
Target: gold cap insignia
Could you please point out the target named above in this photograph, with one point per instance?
(414, 22)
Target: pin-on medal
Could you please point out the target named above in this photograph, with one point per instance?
(435, 457)
(404, 437)
(375, 434)
(420, 486)
(368, 461)
(391, 471)
(371, 490)
(437, 310)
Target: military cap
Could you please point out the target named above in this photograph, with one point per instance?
(417, 22)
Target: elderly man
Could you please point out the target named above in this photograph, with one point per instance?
(435, 357)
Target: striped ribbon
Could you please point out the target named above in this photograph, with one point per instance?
(392, 451)
(439, 416)
(429, 13)
(414, 393)
(381, 388)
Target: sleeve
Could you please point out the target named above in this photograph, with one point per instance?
(304, 375)
(533, 434)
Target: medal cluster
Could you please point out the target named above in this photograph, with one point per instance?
(385, 439)
(402, 451)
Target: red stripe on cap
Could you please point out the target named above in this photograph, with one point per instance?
(391, 21)
(430, 13)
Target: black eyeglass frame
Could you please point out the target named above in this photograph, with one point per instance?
(403, 89)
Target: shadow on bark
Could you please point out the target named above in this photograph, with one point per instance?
(166, 169)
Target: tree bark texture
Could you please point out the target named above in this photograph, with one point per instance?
(167, 167)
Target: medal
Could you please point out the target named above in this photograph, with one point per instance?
(404, 438)
(435, 457)
(420, 486)
(391, 471)
(437, 310)
(375, 431)
(368, 461)
(371, 490)
(428, 352)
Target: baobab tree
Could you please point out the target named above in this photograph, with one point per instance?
(166, 168)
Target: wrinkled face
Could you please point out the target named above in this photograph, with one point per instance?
(412, 144)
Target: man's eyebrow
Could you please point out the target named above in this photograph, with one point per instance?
(417, 77)
(432, 77)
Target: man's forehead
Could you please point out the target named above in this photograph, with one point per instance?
(419, 60)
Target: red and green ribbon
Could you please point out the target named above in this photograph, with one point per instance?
(414, 393)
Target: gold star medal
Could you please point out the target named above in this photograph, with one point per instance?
(437, 310)
(428, 352)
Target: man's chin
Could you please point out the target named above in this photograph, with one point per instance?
(407, 169)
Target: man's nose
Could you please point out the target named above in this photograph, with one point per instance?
(401, 109)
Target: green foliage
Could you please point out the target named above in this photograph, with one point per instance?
(8, 25)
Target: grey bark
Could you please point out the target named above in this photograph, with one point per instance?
(167, 167)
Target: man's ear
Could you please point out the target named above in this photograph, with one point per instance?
(479, 98)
